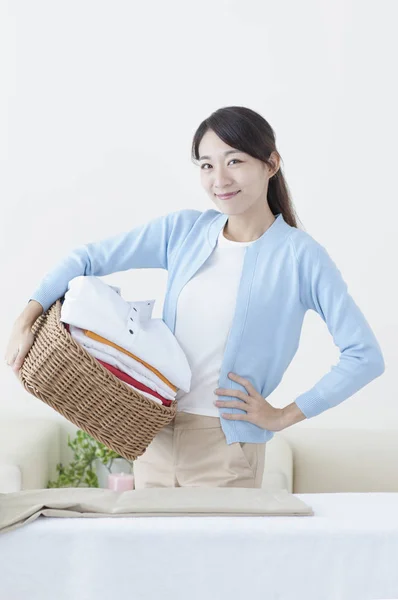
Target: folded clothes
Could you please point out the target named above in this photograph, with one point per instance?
(124, 363)
(134, 383)
(148, 394)
(93, 305)
(108, 344)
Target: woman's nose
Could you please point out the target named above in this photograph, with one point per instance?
(221, 179)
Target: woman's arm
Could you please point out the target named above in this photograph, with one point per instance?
(28, 316)
(146, 246)
(361, 360)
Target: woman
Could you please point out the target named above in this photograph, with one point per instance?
(240, 280)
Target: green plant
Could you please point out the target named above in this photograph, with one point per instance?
(80, 470)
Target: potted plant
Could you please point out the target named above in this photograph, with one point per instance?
(89, 456)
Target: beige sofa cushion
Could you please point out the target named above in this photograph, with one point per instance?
(29, 451)
(343, 460)
(278, 467)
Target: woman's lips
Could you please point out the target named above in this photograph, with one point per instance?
(226, 196)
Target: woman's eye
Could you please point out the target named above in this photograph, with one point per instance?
(205, 164)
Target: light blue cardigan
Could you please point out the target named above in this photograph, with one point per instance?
(285, 273)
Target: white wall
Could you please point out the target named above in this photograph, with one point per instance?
(100, 101)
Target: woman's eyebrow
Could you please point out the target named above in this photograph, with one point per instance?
(225, 154)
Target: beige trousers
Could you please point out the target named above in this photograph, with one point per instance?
(192, 451)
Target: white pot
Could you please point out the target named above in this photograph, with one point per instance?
(119, 465)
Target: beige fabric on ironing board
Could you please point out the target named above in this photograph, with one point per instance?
(20, 508)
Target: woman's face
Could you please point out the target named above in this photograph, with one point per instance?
(236, 171)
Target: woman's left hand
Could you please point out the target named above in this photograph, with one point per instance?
(258, 410)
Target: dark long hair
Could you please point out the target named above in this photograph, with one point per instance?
(246, 130)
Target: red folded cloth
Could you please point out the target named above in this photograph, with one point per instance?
(130, 380)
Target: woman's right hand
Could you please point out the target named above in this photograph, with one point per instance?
(20, 342)
(22, 338)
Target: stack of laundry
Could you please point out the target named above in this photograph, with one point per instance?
(125, 339)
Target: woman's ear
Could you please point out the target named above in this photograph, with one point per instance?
(274, 160)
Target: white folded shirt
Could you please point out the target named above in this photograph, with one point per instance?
(123, 362)
(92, 304)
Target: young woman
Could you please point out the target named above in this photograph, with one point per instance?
(241, 277)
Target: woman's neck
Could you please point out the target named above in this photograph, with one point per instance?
(240, 229)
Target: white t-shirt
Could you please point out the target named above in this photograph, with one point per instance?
(205, 309)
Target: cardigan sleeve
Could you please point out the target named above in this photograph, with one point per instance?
(147, 246)
(324, 290)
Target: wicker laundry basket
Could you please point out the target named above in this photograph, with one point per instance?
(61, 373)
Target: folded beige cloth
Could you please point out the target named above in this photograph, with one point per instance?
(19, 508)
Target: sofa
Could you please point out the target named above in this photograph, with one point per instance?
(300, 459)
(30, 449)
